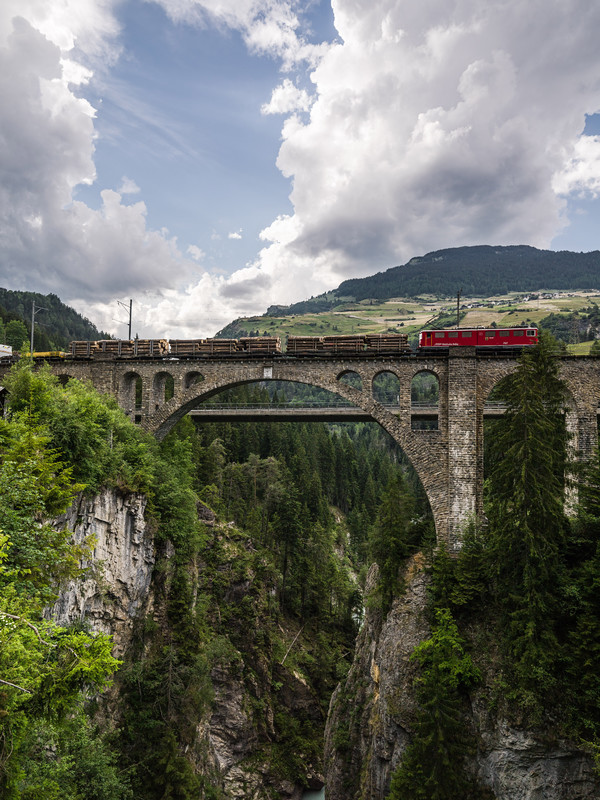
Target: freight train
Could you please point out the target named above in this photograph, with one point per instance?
(365, 345)
(250, 346)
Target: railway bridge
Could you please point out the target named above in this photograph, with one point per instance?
(448, 459)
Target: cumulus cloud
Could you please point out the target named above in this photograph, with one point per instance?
(269, 27)
(581, 174)
(128, 186)
(287, 98)
(429, 125)
(48, 241)
(185, 312)
(439, 125)
(235, 234)
(195, 252)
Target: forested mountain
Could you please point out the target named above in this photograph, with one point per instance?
(55, 326)
(480, 271)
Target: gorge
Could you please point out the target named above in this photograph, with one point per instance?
(231, 565)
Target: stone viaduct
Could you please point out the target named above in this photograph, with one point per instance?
(449, 460)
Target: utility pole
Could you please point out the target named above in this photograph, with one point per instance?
(34, 311)
(458, 294)
(130, 312)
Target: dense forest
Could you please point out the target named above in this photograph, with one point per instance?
(480, 271)
(306, 507)
(263, 537)
(55, 326)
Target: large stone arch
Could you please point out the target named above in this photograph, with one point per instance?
(448, 461)
(425, 452)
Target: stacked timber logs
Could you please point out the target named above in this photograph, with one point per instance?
(209, 347)
(386, 342)
(185, 347)
(260, 344)
(368, 344)
(343, 344)
(151, 347)
(81, 349)
(111, 348)
(304, 344)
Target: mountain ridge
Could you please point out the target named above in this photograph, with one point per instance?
(476, 270)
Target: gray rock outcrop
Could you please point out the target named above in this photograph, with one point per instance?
(372, 713)
(117, 587)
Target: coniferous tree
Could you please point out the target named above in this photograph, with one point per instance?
(526, 515)
(433, 765)
(392, 539)
(16, 334)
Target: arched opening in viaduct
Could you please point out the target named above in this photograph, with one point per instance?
(424, 401)
(163, 389)
(351, 378)
(192, 378)
(386, 388)
(319, 399)
(131, 395)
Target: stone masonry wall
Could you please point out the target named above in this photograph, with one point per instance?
(449, 461)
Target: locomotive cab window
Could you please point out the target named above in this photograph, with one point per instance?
(530, 333)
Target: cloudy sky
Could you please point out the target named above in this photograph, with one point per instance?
(208, 158)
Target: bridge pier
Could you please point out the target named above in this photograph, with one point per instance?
(465, 443)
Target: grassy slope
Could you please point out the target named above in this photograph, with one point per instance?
(409, 316)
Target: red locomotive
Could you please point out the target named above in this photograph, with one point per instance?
(479, 337)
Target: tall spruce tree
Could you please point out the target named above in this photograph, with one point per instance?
(433, 765)
(526, 513)
(393, 538)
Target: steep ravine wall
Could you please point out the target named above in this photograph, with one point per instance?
(117, 589)
(372, 713)
(232, 741)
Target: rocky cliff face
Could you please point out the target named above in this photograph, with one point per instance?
(117, 589)
(372, 713)
(237, 743)
(241, 741)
